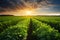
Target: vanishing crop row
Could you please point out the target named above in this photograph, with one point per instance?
(9, 21)
(42, 31)
(16, 32)
(52, 21)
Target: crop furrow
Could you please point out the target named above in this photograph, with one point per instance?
(16, 32)
(42, 31)
(6, 24)
(55, 24)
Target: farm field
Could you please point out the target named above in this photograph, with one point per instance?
(29, 27)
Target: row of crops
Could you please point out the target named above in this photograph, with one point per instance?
(16, 32)
(7, 21)
(26, 28)
(54, 22)
(44, 31)
(13, 28)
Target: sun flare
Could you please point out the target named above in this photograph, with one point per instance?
(28, 12)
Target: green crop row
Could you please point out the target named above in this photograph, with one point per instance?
(26, 28)
(16, 32)
(54, 22)
(6, 22)
(42, 31)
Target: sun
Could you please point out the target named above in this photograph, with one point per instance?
(28, 12)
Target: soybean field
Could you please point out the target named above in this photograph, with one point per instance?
(29, 27)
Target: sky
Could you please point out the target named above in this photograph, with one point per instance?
(48, 6)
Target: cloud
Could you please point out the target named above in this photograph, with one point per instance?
(11, 5)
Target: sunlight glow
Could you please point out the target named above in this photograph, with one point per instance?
(28, 12)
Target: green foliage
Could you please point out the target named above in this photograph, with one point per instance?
(42, 28)
(54, 22)
(7, 21)
(16, 32)
(43, 31)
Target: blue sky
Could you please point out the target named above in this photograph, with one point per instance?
(56, 5)
(55, 2)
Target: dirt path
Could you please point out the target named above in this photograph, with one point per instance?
(30, 30)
